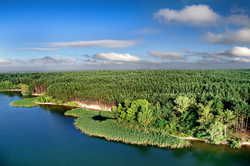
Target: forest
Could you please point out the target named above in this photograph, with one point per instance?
(212, 105)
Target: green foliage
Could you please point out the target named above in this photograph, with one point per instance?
(216, 132)
(154, 86)
(137, 110)
(146, 117)
(44, 99)
(26, 102)
(7, 85)
(25, 90)
(205, 114)
(235, 142)
(72, 104)
(183, 102)
(50, 100)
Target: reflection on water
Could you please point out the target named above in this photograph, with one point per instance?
(42, 136)
(11, 94)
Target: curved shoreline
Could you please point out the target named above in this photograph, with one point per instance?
(111, 131)
(128, 142)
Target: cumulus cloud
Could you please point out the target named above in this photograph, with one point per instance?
(239, 54)
(95, 43)
(166, 55)
(239, 36)
(116, 57)
(236, 52)
(200, 15)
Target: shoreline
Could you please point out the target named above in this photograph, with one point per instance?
(128, 142)
(84, 123)
(206, 141)
(83, 105)
(65, 105)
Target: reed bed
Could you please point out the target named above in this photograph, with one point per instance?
(108, 128)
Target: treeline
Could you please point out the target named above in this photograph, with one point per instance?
(154, 86)
(8, 85)
(228, 90)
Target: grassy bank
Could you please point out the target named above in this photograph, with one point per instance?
(10, 90)
(26, 102)
(35, 101)
(102, 124)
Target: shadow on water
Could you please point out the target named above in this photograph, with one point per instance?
(11, 93)
(214, 154)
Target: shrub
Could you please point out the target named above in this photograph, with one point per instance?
(235, 142)
(25, 90)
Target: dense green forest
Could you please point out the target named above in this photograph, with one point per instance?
(207, 104)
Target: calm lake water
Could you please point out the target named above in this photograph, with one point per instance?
(44, 137)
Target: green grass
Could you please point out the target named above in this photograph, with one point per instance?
(35, 101)
(10, 90)
(26, 102)
(110, 129)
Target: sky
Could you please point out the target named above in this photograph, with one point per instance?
(59, 35)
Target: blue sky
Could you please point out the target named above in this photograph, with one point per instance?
(93, 33)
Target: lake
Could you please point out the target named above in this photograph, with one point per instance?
(42, 136)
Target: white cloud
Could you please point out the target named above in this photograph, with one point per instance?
(243, 60)
(95, 43)
(166, 55)
(239, 36)
(117, 57)
(38, 49)
(79, 44)
(4, 61)
(239, 19)
(237, 52)
(200, 15)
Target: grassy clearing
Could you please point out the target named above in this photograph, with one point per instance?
(102, 124)
(26, 102)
